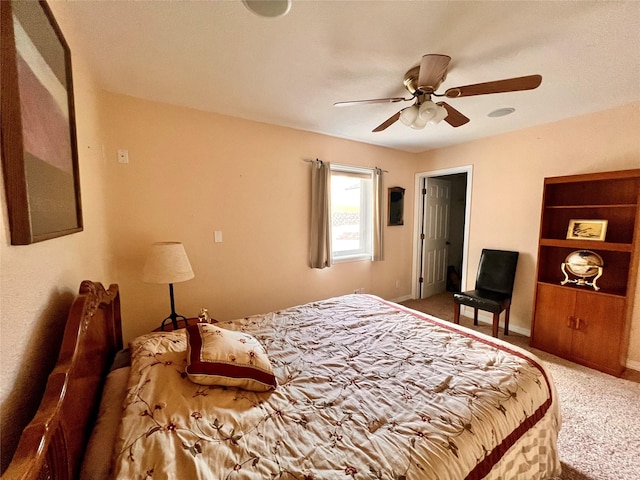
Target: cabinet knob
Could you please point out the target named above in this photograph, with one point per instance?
(571, 322)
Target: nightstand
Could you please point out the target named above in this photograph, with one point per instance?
(182, 323)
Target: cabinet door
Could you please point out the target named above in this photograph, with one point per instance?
(598, 330)
(552, 331)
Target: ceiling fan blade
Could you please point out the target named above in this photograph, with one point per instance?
(373, 100)
(454, 117)
(388, 122)
(499, 86)
(433, 69)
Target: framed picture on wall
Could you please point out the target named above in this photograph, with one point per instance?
(39, 149)
(587, 230)
(396, 206)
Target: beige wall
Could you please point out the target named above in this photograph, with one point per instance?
(191, 173)
(39, 281)
(508, 173)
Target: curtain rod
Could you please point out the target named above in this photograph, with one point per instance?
(318, 160)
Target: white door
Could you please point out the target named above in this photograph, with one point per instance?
(436, 204)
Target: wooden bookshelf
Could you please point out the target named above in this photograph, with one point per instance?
(588, 326)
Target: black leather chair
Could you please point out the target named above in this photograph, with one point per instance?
(494, 287)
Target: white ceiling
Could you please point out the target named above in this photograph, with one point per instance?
(218, 56)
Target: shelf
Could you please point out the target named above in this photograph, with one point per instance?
(605, 205)
(620, 218)
(594, 192)
(610, 196)
(615, 273)
(586, 245)
(589, 290)
(567, 180)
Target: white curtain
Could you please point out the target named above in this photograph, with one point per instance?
(320, 245)
(378, 216)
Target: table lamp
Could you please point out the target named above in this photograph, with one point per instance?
(167, 262)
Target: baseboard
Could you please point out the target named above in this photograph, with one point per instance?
(633, 365)
(486, 318)
(401, 299)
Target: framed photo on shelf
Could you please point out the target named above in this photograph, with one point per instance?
(587, 230)
(39, 149)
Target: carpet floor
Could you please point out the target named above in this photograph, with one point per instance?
(600, 436)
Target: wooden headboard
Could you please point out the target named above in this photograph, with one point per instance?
(52, 445)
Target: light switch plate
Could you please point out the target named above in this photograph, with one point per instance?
(123, 156)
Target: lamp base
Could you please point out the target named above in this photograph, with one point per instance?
(173, 319)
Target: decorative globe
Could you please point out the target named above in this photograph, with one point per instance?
(583, 263)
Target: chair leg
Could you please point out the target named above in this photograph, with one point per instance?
(456, 313)
(506, 321)
(496, 322)
(475, 316)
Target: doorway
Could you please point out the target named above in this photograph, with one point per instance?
(441, 224)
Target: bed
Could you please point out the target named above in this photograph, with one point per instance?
(53, 444)
(347, 387)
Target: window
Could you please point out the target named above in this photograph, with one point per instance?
(351, 213)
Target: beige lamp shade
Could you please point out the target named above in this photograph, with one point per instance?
(167, 262)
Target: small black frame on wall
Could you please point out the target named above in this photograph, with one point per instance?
(39, 150)
(396, 206)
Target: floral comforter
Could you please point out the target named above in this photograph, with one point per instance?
(366, 389)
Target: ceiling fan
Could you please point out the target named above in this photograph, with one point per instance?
(423, 80)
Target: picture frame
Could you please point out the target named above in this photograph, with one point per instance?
(39, 145)
(581, 229)
(396, 206)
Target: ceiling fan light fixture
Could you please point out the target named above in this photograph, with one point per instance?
(409, 115)
(440, 115)
(418, 116)
(428, 110)
(419, 123)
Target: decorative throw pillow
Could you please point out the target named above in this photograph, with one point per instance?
(216, 356)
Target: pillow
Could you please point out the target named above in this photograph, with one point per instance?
(96, 464)
(217, 356)
(121, 360)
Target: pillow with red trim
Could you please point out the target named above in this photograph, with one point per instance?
(217, 356)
